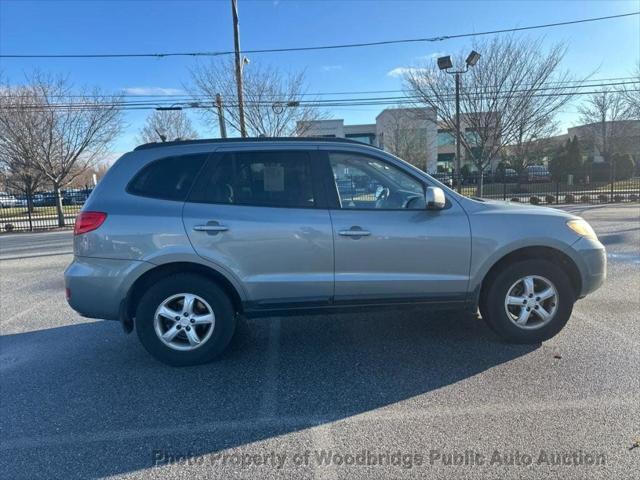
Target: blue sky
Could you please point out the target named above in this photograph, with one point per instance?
(611, 47)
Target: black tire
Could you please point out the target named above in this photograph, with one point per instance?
(185, 283)
(492, 305)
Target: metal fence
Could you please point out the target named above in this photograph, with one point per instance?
(40, 211)
(541, 190)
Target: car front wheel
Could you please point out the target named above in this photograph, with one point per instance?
(185, 319)
(528, 301)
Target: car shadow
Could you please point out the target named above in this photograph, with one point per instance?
(87, 401)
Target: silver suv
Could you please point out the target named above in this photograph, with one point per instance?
(180, 238)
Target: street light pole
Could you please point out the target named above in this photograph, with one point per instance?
(458, 135)
(445, 63)
(236, 46)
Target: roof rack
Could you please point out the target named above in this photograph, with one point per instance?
(247, 140)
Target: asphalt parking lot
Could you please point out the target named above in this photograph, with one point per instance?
(403, 395)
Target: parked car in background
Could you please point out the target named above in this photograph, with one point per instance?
(537, 173)
(46, 199)
(179, 238)
(8, 201)
(507, 175)
(76, 196)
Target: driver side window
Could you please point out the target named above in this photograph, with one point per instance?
(365, 182)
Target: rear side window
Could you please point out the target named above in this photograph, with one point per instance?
(263, 179)
(169, 178)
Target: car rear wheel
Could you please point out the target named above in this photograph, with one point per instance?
(528, 301)
(185, 319)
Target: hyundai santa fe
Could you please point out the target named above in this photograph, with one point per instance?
(180, 238)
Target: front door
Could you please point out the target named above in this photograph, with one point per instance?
(257, 213)
(387, 245)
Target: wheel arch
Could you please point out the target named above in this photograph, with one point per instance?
(532, 252)
(151, 276)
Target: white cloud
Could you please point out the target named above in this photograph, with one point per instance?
(431, 56)
(152, 91)
(331, 68)
(402, 71)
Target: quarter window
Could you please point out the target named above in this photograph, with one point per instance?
(365, 182)
(264, 179)
(169, 178)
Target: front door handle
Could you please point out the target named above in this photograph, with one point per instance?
(354, 232)
(212, 226)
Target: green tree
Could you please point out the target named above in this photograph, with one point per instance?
(566, 161)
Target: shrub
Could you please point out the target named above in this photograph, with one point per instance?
(569, 198)
(633, 197)
(515, 199)
(549, 199)
(585, 198)
(618, 198)
(624, 166)
(534, 201)
(8, 227)
(603, 198)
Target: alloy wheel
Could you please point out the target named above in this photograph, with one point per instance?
(531, 302)
(184, 321)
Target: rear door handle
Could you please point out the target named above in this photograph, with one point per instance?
(354, 232)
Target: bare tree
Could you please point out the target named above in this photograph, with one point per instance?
(530, 142)
(57, 130)
(631, 95)
(403, 138)
(605, 128)
(19, 175)
(164, 125)
(273, 102)
(514, 90)
(85, 178)
(18, 131)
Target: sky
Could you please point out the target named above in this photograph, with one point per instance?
(606, 49)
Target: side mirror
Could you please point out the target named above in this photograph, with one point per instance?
(435, 198)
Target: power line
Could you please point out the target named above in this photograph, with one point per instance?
(378, 101)
(320, 47)
(187, 99)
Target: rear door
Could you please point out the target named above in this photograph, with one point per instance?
(260, 213)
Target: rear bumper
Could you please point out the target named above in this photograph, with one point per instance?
(593, 268)
(97, 286)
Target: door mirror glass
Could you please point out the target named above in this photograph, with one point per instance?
(435, 198)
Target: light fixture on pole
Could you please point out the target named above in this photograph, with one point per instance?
(445, 63)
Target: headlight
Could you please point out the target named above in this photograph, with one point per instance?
(582, 228)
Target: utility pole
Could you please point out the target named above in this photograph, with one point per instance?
(223, 126)
(458, 135)
(236, 45)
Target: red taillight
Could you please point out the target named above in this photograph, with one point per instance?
(88, 221)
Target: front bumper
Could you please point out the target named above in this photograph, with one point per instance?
(593, 268)
(97, 286)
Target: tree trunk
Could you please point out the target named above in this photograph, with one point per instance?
(29, 194)
(480, 183)
(58, 199)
